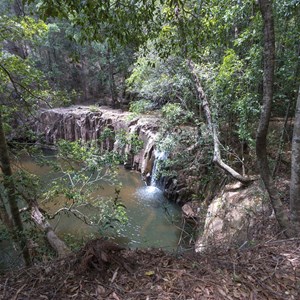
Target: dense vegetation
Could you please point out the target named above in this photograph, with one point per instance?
(214, 65)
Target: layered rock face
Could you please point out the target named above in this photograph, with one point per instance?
(89, 123)
(86, 124)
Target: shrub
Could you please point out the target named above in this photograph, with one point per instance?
(140, 106)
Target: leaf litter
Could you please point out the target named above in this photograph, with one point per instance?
(103, 270)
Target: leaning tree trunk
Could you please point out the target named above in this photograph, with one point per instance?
(262, 131)
(214, 132)
(55, 242)
(295, 174)
(9, 186)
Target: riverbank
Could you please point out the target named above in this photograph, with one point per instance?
(267, 270)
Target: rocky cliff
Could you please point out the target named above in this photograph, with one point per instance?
(88, 124)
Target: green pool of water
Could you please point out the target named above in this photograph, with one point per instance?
(153, 221)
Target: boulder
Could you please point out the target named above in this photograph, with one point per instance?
(191, 210)
(231, 215)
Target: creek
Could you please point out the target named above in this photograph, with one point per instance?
(153, 221)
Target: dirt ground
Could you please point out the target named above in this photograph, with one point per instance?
(103, 270)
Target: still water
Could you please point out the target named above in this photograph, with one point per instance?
(152, 220)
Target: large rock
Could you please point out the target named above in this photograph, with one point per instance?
(231, 215)
(87, 124)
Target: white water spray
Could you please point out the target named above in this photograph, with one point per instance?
(160, 156)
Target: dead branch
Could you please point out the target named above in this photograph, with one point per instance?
(56, 243)
(212, 128)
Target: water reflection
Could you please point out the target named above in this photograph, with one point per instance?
(153, 221)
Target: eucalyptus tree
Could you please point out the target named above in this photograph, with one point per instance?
(290, 228)
(262, 131)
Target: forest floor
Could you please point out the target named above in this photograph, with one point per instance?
(102, 270)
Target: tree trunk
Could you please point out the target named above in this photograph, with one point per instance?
(9, 186)
(56, 243)
(295, 174)
(84, 78)
(4, 216)
(262, 131)
(111, 80)
(214, 132)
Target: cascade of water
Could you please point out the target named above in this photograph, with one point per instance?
(160, 156)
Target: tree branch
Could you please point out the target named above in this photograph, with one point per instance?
(16, 83)
(212, 128)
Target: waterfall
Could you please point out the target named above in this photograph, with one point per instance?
(159, 157)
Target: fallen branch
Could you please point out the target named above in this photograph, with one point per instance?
(18, 292)
(56, 243)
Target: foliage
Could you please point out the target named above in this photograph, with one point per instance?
(81, 164)
(107, 134)
(79, 171)
(130, 140)
(140, 106)
(114, 215)
(94, 108)
(233, 94)
(123, 21)
(75, 182)
(18, 76)
(160, 81)
(174, 114)
(80, 69)
(23, 81)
